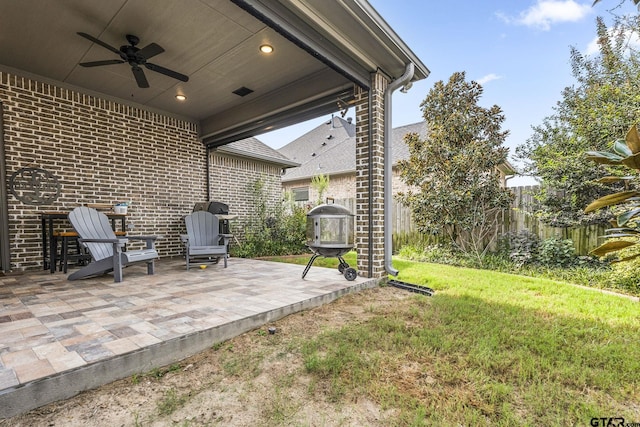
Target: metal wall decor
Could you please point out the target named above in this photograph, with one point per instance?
(34, 186)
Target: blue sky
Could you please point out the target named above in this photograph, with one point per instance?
(517, 49)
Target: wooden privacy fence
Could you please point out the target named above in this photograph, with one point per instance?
(520, 217)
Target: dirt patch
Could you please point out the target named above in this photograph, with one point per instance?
(256, 379)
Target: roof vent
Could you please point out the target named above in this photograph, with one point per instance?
(324, 143)
(329, 136)
(313, 154)
(349, 120)
(243, 91)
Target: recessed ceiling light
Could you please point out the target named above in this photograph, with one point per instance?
(266, 48)
(181, 97)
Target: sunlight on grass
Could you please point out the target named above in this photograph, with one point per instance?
(532, 293)
(489, 349)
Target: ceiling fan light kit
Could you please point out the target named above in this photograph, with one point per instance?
(135, 57)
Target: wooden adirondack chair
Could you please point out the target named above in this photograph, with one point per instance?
(107, 250)
(204, 240)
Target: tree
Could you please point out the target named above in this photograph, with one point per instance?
(453, 172)
(320, 183)
(601, 105)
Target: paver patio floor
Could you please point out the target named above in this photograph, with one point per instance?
(58, 337)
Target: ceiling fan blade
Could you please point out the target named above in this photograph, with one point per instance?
(167, 72)
(141, 79)
(100, 42)
(99, 63)
(150, 51)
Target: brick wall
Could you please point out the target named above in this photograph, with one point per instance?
(102, 151)
(232, 182)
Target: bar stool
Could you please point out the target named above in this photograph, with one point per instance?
(65, 237)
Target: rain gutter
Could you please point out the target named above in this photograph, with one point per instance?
(404, 80)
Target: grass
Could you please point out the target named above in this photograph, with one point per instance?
(170, 402)
(489, 348)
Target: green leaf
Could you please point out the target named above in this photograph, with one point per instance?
(613, 179)
(611, 199)
(628, 231)
(621, 235)
(604, 157)
(626, 216)
(620, 147)
(625, 259)
(611, 247)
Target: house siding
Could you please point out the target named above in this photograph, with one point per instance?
(102, 151)
(343, 186)
(340, 187)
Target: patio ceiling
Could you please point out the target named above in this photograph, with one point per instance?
(322, 50)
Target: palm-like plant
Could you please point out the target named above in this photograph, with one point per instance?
(626, 225)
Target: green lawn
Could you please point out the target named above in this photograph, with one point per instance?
(488, 349)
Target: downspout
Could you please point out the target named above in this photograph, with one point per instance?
(208, 172)
(5, 261)
(370, 160)
(404, 80)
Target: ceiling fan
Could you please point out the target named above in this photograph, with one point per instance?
(135, 57)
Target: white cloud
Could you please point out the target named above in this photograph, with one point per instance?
(593, 47)
(489, 77)
(545, 13)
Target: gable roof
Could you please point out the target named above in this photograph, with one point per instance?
(253, 148)
(334, 158)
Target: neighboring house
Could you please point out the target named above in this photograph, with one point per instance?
(329, 149)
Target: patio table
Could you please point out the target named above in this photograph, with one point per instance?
(50, 218)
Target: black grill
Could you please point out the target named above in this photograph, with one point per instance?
(216, 208)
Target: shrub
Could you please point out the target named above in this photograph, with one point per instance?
(556, 253)
(521, 247)
(271, 231)
(625, 276)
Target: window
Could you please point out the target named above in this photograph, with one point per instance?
(300, 194)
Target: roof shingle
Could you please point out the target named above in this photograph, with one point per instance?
(317, 155)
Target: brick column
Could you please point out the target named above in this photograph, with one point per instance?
(370, 193)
